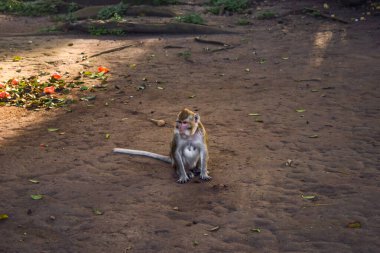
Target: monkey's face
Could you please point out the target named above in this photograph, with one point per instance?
(187, 123)
(184, 127)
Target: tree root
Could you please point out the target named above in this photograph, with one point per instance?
(130, 28)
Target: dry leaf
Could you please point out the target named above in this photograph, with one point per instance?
(213, 229)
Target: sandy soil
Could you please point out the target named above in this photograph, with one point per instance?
(327, 68)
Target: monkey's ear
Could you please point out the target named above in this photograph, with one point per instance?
(197, 118)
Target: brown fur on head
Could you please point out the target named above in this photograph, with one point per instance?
(192, 118)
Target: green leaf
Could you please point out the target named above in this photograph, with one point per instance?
(98, 211)
(192, 96)
(355, 224)
(36, 196)
(17, 58)
(256, 230)
(314, 136)
(308, 197)
(300, 110)
(262, 61)
(254, 114)
(4, 216)
(34, 181)
(108, 136)
(53, 129)
(83, 88)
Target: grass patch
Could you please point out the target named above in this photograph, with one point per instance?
(99, 31)
(150, 2)
(185, 55)
(266, 15)
(114, 11)
(192, 18)
(228, 5)
(243, 22)
(37, 7)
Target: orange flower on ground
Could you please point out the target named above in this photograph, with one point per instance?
(103, 69)
(4, 94)
(2, 85)
(49, 90)
(56, 76)
(15, 81)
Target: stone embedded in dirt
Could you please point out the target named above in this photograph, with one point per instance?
(158, 122)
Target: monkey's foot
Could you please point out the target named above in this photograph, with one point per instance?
(190, 174)
(205, 177)
(183, 179)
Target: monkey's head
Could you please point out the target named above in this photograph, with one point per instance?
(187, 122)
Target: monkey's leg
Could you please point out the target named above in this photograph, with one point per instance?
(183, 178)
(204, 173)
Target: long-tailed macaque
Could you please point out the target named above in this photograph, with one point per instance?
(188, 148)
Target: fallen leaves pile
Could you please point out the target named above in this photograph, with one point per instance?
(33, 93)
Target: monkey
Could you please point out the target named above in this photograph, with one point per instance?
(188, 148)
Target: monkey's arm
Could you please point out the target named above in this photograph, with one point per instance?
(163, 158)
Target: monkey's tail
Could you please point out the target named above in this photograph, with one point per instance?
(163, 158)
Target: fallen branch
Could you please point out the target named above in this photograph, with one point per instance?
(128, 28)
(225, 46)
(314, 13)
(213, 42)
(221, 49)
(173, 47)
(110, 51)
(308, 80)
(317, 13)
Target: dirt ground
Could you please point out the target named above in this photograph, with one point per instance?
(255, 202)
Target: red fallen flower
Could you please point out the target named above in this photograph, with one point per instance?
(49, 90)
(103, 69)
(15, 81)
(56, 76)
(4, 94)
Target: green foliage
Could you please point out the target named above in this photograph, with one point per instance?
(98, 31)
(243, 21)
(117, 18)
(192, 18)
(50, 29)
(150, 2)
(164, 2)
(266, 15)
(228, 5)
(112, 11)
(185, 54)
(11, 6)
(36, 7)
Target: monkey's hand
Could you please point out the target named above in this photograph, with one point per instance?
(205, 177)
(183, 179)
